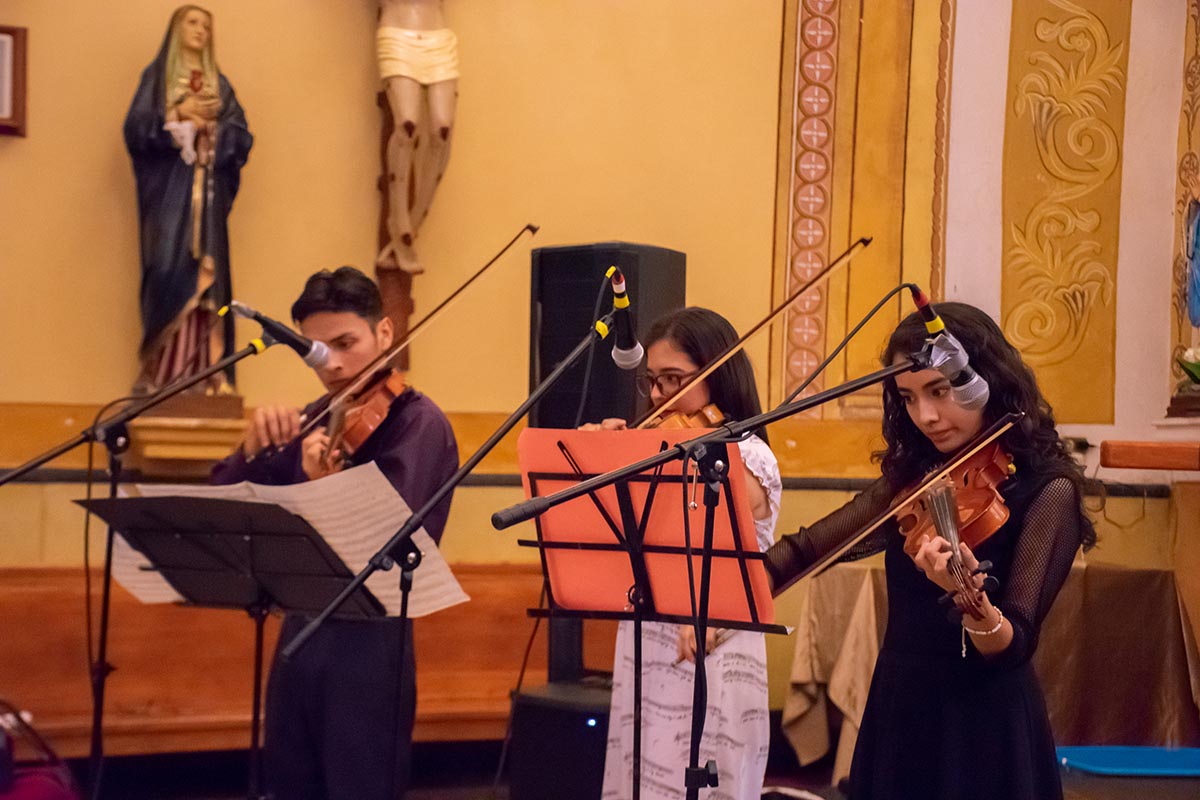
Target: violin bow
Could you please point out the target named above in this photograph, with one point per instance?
(999, 428)
(356, 384)
(655, 414)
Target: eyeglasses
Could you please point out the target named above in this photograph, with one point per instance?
(668, 383)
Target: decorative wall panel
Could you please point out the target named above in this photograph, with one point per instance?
(1061, 197)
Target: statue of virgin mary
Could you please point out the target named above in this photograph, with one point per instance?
(187, 136)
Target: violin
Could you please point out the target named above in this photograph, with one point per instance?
(922, 511)
(963, 506)
(708, 417)
(974, 485)
(357, 417)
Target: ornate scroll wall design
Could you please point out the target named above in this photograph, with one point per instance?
(812, 181)
(1062, 196)
(1187, 190)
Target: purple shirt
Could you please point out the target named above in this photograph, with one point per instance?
(413, 447)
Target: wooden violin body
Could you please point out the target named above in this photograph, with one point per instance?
(353, 422)
(708, 417)
(981, 509)
(963, 506)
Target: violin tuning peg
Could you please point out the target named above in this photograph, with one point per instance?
(948, 597)
(990, 584)
(984, 566)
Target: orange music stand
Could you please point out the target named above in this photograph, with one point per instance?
(595, 547)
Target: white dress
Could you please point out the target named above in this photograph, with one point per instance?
(736, 729)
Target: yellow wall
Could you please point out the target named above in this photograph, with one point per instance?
(649, 122)
(597, 119)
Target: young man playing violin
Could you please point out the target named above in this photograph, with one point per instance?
(339, 714)
(954, 708)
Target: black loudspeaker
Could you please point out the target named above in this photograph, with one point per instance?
(564, 285)
(559, 732)
(563, 289)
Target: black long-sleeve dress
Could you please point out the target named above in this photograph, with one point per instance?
(938, 725)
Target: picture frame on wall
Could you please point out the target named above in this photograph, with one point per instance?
(12, 80)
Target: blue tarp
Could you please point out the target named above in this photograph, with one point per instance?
(1159, 761)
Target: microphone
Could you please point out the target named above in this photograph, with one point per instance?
(315, 354)
(627, 351)
(949, 357)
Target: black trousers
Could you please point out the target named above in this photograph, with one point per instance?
(339, 714)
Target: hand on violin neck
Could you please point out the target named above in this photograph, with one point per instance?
(316, 459)
(610, 424)
(933, 558)
(271, 426)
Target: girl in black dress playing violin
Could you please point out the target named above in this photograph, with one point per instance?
(955, 709)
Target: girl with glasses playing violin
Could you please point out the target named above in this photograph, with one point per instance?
(955, 709)
(678, 347)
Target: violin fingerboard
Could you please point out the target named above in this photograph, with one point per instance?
(944, 511)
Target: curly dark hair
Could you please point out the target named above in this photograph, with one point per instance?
(704, 335)
(1035, 445)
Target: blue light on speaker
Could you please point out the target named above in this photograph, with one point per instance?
(591, 722)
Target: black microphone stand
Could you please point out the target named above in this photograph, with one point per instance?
(730, 431)
(398, 547)
(709, 453)
(113, 433)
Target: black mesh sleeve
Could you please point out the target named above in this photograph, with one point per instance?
(794, 552)
(1046, 546)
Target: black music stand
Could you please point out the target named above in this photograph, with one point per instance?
(219, 553)
(619, 555)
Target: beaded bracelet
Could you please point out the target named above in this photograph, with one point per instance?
(994, 629)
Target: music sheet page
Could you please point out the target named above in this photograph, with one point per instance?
(356, 511)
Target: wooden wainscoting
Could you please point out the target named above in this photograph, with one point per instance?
(184, 675)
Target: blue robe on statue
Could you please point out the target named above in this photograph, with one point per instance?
(170, 271)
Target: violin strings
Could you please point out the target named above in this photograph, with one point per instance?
(945, 518)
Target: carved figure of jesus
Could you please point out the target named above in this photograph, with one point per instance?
(418, 62)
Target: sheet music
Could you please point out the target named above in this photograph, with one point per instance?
(132, 570)
(356, 511)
